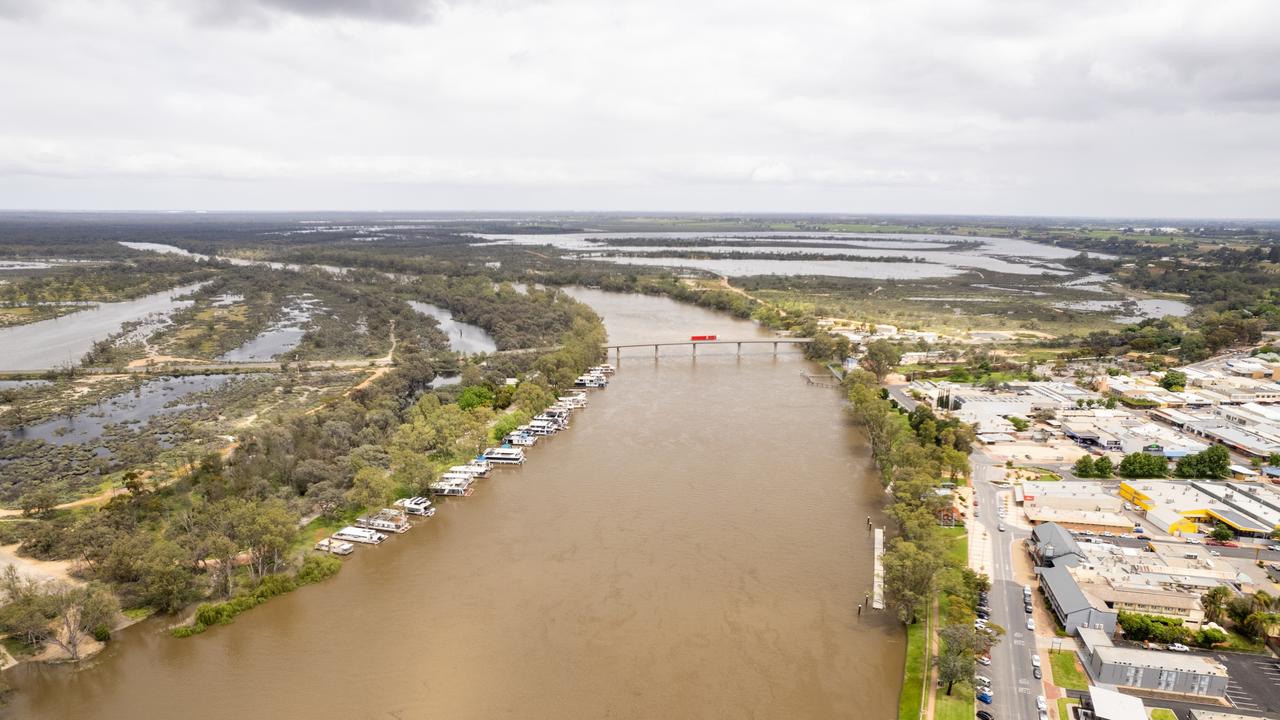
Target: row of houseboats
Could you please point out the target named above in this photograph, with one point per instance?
(374, 528)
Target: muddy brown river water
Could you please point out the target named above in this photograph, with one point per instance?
(693, 547)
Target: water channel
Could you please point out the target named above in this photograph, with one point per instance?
(463, 338)
(693, 547)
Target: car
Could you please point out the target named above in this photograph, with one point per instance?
(1041, 703)
(984, 659)
(984, 690)
(984, 697)
(982, 680)
(1192, 541)
(1179, 647)
(1000, 527)
(1026, 591)
(1108, 533)
(1036, 672)
(1028, 608)
(984, 715)
(1031, 623)
(1215, 553)
(1035, 660)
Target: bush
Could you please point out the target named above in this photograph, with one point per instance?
(1210, 637)
(318, 567)
(102, 633)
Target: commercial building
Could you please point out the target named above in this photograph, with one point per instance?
(1176, 507)
(1150, 670)
(1112, 705)
(1074, 609)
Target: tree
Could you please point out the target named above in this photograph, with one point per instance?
(1019, 424)
(371, 487)
(1174, 380)
(1222, 533)
(38, 501)
(1102, 467)
(1215, 462)
(881, 358)
(55, 612)
(475, 396)
(1142, 465)
(1215, 602)
(167, 583)
(1084, 467)
(909, 572)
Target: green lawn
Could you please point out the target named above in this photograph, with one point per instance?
(1066, 673)
(1064, 703)
(915, 669)
(956, 706)
(1163, 714)
(958, 544)
(1240, 643)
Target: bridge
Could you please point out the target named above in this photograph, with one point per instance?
(775, 342)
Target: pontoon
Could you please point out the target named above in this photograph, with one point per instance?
(360, 535)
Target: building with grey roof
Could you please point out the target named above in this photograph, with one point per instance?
(1151, 670)
(1052, 545)
(1074, 609)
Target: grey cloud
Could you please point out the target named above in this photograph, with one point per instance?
(395, 11)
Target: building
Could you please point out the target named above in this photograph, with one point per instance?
(1074, 609)
(1087, 496)
(1150, 670)
(1112, 705)
(1176, 507)
(1052, 545)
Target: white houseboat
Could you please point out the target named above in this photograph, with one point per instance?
(521, 439)
(480, 466)
(386, 520)
(605, 369)
(360, 535)
(504, 456)
(543, 427)
(416, 506)
(337, 547)
(591, 381)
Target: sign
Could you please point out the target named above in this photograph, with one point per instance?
(697, 338)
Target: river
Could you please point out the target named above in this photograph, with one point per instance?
(693, 547)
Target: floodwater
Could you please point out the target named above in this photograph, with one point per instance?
(693, 547)
(283, 335)
(151, 398)
(934, 253)
(64, 340)
(463, 338)
(1131, 310)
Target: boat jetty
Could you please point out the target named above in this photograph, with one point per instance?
(376, 527)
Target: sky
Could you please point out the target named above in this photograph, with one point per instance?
(1166, 108)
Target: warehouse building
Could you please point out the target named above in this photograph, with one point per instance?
(1151, 670)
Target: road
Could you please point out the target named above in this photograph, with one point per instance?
(1014, 686)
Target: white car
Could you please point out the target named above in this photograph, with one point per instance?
(1179, 647)
(982, 680)
(1041, 703)
(1035, 661)
(984, 659)
(1031, 624)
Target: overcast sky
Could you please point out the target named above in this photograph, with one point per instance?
(1161, 108)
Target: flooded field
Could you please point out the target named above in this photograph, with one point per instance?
(283, 335)
(135, 408)
(463, 338)
(64, 340)
(694, 547)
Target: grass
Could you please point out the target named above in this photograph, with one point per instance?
(1240, 643)
(956, 706)
(1163, 714)
(957, 544)
(1066, 673)
(138, 613)
(1064, 703)
(915, 669)
(17, 648)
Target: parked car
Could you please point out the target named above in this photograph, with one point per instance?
(1031, 623)
(984, 659)
(1036, 672)
(982, 680)
(1041, 703)
(1035, 660)
(986, 698)
(1179, 647)
(1000, 527)
(1028, 609)
(984, 715)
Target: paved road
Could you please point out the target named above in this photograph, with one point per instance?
(1014, 685)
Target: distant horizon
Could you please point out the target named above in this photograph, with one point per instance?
(728, 214)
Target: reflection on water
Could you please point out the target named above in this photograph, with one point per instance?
(693, 548)
(136, 406)
(463, 338)
(64, 340)
(284, 335)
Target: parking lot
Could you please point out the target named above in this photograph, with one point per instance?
(1255, 682)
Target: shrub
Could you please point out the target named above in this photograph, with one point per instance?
(318, 567)
(102, 633)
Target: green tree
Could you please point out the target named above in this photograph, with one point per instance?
(1102, 467)
(1214, 462)
(167, 583)
(371, 488)
(475, 396)
(881, 358)
(1222, 533)
(1174, 380)
(1084, 467)
(909, 572)
(1019, 424)
(1215, 602)
(1142, 465)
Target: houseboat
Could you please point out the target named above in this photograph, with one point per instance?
(337, 547)
(520, 439)
(504, 455)
(591, 381)
(543, 427)
(605, 369)
(360, 535)
(450, 488)
(385, 520)
(480, 467)
(573, 400)
(416, 506)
